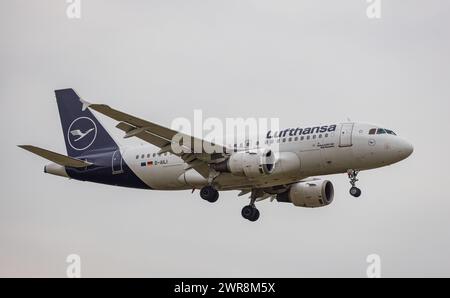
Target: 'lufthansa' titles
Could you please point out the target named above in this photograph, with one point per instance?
(292, 132)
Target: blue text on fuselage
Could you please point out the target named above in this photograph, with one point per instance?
(291, 132)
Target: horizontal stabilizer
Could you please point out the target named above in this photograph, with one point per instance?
(56, 157)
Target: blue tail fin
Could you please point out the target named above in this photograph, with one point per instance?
(82, 131)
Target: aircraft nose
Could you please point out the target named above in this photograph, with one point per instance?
(406, 149)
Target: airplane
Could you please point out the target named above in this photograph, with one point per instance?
(284, 166)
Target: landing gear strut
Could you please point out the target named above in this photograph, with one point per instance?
(209, 194)
(250, 212)
(354, 191)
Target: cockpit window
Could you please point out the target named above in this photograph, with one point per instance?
(391, 132)
(380, 131)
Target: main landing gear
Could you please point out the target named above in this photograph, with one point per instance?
(250, 212)
(354, 191)
(209, 194)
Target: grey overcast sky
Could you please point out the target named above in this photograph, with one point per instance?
(302, 61)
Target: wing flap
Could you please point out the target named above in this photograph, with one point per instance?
(135, 121)
(57, 158)
(143, 135)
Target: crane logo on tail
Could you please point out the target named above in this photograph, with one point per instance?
(82, 133)
(78, 133)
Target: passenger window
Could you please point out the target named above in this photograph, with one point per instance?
(380, 131)
(137, 156)
(284, 140)
(372, 131)
(302, 138)
(320, 136)
(148, 155)
(307, 137)
(296, 139)
(314, 136)
(154, 154)
(142, 156)
(290, 139)
(326, 135)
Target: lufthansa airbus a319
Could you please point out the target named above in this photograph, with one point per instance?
(282, 165)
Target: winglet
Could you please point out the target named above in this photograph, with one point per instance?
(85, 103)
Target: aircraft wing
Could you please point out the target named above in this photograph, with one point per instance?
(57, 158)
(163, 138)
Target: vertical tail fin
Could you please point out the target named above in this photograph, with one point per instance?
(82, 131)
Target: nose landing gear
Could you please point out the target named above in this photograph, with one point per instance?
(354, 191)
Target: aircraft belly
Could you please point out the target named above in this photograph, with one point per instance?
(166, 177)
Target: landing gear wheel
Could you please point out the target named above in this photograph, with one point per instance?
(352, 175)
(255, 215)
(209, 194)
(354, 191)
(214, 198)
(247, 211)
(250, 212)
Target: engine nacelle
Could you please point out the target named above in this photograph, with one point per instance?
(314, 193)
(251, 163)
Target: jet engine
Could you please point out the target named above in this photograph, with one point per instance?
(251, 163)
(314, 193)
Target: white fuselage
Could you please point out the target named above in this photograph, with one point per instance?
(349, 146)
